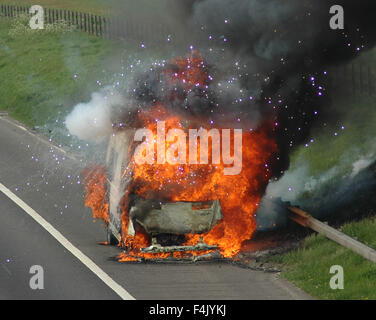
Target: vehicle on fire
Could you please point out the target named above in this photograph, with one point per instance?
(166, 223)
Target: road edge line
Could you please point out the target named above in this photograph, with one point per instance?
(119, 290)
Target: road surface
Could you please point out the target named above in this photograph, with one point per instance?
(48, 182)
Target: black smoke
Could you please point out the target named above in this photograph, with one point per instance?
(268, 60)
(288, 43)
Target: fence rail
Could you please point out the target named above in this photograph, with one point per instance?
(358, 76)
(114, 27)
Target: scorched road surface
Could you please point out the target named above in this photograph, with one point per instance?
(49, 181)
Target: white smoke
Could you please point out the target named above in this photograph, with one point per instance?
(92, 121)
(362, 163)
(326, 189)
(298, 181)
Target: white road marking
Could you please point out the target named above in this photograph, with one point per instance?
(48, 143)
(68, 245)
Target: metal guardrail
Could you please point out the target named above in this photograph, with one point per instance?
(304, 219)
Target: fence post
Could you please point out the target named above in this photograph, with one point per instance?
(100, 26)
(88, 24)
(92, 24)
(95, 21)
(105, 30)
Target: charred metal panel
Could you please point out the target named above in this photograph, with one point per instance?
(176, 217)
(116, 162)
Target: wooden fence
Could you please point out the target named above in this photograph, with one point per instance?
(357, 76)
(114, 27)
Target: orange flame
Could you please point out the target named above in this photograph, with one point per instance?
(239, 195)
(95, 183)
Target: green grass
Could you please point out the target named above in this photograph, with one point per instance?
(309, 266)
(38, 72)
(45, 74)
(356, 113)
(358, 117)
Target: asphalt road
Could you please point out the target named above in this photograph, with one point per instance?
(50, 183)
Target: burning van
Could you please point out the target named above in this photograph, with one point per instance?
(159, 209)
(164, 222)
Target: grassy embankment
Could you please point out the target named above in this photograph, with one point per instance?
(44, 73)
(309, 266)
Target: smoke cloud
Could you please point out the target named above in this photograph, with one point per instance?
(267, 62)
(92, 121)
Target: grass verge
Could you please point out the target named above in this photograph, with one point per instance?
(45, 73)
(308, 267)
(352, 134)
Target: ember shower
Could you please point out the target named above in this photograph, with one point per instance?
(252, 64)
